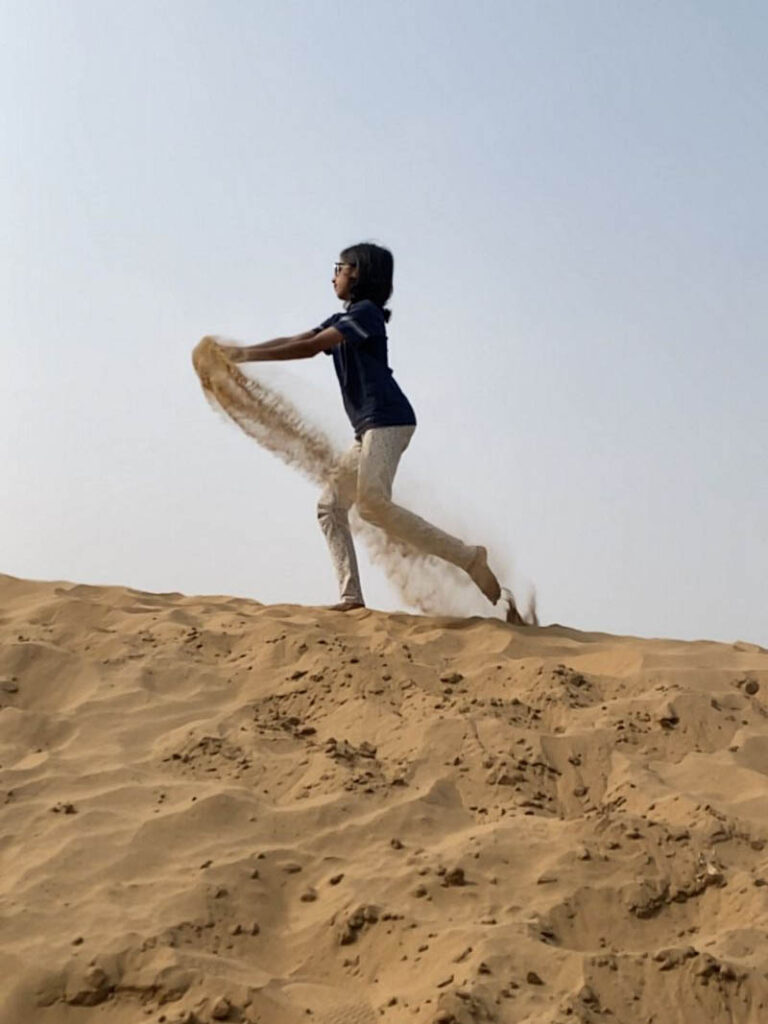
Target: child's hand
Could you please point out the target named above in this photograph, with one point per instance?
(234, 353)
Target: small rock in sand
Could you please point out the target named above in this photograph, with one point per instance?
(454, 877)
(221, 1008)
(66, 808)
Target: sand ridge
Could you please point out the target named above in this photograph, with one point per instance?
(214, 809)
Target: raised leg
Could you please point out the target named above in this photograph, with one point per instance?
(381, 450)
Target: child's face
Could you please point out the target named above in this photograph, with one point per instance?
(344, 274)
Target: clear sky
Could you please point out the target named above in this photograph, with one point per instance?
(575, 194)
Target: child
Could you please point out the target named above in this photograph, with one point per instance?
(381, 417)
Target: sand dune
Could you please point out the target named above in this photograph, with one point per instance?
(218, 810)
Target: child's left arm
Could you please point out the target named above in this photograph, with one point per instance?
(300, 346)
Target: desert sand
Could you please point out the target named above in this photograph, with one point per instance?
(214, 809)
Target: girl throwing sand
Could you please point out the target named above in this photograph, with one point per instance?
(382, 418)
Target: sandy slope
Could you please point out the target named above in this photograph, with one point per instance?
(341, 819)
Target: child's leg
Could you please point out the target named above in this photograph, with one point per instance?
(381, 451)
(332, 513)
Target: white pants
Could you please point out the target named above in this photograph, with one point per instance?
(365, 478)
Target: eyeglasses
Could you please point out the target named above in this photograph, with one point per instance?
(337, 267)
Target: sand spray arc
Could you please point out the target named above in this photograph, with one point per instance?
(433, 586)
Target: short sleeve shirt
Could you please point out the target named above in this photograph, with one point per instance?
(372, 397)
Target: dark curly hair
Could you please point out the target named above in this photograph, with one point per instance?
(375, 267)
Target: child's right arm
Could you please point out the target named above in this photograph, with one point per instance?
(251, 353)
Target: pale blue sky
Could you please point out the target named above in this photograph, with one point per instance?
(575, 196)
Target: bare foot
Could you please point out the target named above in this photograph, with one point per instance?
(345, 606)
(483, 577)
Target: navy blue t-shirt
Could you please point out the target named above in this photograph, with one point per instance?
(371, 395)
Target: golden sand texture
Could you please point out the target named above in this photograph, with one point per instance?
(218, 810)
